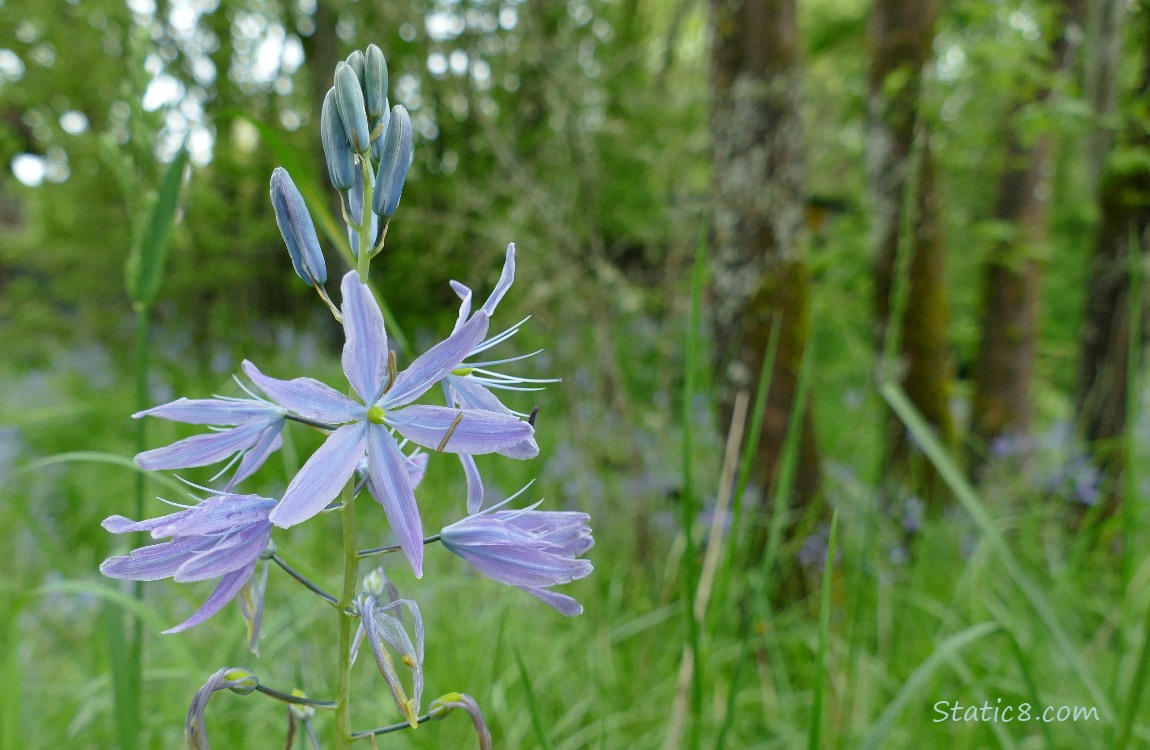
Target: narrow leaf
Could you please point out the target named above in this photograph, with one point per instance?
(145, 268)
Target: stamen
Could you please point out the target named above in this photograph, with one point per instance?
(531, 419)
(392, 368)
(450, 432)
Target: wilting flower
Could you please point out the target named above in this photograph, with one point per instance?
(445, 704)
(366, 427)
(381, 628)
(469, 385)
(529, 549)
(221, 537)
(236, 679)
(254, 436)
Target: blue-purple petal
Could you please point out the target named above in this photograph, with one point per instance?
(365, 345)
(201, 450)
(476, 432)
(506, 278)
(474, 484)
(151, 563)
(322, 477)
(270, 441)
(522, 451)
(436, 363)
(561, 603)
(391, 485)
(214, 411)
(236, 551)
(224, 592)
(471, 395)
(306, 397)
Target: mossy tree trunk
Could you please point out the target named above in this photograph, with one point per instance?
(900, 35)
(1104, 346)
(759, 270)
(1012, 273)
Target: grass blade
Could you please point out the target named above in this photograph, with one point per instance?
(824, 632)
(145, 267)
(532, 705)
(970, 501)
(914, 685)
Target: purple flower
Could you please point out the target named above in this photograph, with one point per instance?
(469, 385)
(367, 427)
(529, 549)
(221, 537)
(254, 436)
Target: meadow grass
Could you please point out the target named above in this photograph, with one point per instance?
(1009, 595)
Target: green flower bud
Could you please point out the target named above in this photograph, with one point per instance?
(350, 107)
(340, 158)
(375, 81)
(394, 163)
(242, 681)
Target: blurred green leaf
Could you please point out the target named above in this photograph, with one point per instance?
(145, 267)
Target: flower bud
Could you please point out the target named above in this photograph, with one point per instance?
(298, 231)
(350, 107)
(394, 163)
(375, 81)
(243, 682)
(379, 129)
(356, 61)
(340, 158)
(445, 704)
(374, 582)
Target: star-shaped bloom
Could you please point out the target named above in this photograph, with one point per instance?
(221, 537)
(469, 385)
(365, 427)
(529, 549)
(254, 435)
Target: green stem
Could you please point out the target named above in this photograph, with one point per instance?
(294, 699)
(365, 239)
(389, 728)
(350, 566)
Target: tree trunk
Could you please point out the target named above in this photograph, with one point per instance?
(1104, 346)
(1012, 275)
(760, 275)
(901, 33)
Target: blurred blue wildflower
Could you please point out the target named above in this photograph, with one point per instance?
(529, 549)
(367, 427)
(254, 436)
(220, 537)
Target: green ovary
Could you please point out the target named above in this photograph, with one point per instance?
(375, 415)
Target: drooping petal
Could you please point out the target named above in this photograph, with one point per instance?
(391, 486)
(244, 547)
(436, 362)
(270, 441)
(561, 603)
(322, 477)
(217, 515)
(475, 432)
(524, 566)
(224, 592)
(506, 278)
(200, 450)
(365, 346)
(151, 563)
(474, 484)
(215, 411)
(306, 397)
(416, 469)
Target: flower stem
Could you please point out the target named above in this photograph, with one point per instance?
(365, 239)
(294, 699)
(389, 728)
(393, 548)
(304, 580)
(350, 567)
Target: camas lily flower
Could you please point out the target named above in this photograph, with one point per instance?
(254, 436)
(382, 628)
(469, 385)
(529, 549)
(221, 537)
(365, 428)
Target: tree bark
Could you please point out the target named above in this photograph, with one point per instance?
(1012, 274)
(760, 275)
(1104, 346)
(901, 33)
